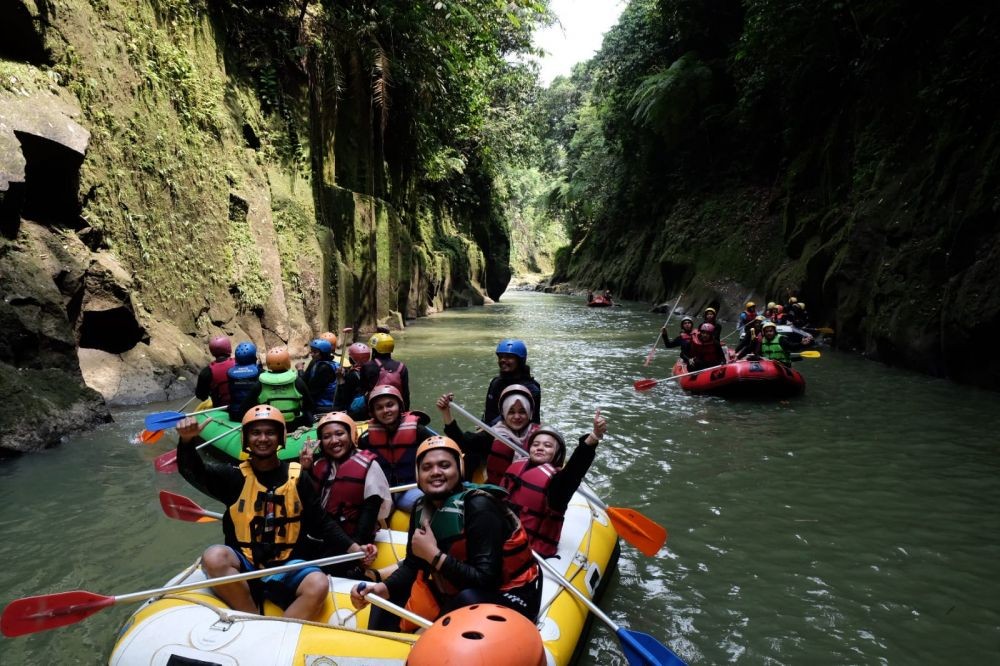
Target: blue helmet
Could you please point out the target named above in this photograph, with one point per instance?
(246, 353)
(515, 347)
(321, 345)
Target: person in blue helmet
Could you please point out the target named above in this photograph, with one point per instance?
(512, 359)
(242, 378)
(321, 376)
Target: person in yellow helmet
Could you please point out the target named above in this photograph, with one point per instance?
(746, 317)
(390, 371)
(710, 316)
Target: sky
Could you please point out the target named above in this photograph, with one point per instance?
(577, 35)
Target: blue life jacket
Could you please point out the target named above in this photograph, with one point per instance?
(323, 401)
(242, 380)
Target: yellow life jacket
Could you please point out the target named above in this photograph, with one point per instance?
(267, 521)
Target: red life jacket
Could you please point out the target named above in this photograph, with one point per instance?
(397, 456)
(501, 456)
(219, 388)
(392, 377)
(706, 352)
(345, 493)
(528, 487)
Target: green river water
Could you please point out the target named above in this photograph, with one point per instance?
(856, 525)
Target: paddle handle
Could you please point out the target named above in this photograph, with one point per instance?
(403, 488)
(206, 411)
(398, 611)
(584, 490)
(235, 578)
(169, 459)
(343, 355)
(586, 601)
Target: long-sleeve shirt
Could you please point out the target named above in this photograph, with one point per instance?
(491, 411)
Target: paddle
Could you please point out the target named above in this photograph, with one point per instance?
(639, 648)
(398, 611)
(150, 436)
(164, 420)
(33, 614)
(643, 533)
(343, 355)
(167, 463)
(652, 352)
(809, 353)
(646, 384)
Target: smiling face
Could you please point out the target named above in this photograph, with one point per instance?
(516, 417)
(438, 474)
(385, 409)
(262, 438)
(336, 441)
(507, 363)
(543, 449)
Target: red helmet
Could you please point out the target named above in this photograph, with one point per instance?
(706, 328)
(385, 389)
(219, 345)
(360, 353)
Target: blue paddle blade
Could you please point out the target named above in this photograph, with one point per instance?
(163, 420)
(643, 650)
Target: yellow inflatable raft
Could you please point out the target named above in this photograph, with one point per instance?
(198, 628)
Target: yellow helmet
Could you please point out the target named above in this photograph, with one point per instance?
(382, 343)
(769, 324)
(712, 310)
(751, 304)
(442, 442)
(770, 305)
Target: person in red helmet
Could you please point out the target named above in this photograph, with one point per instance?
(710, 316)
(541, 487)
(465, 547)
(393, 435)
(213, 381)
(271, 507)
(703, 350)
(515, 412)
(355, 382)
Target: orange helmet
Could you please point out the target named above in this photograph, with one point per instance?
(343, 419)
(278, 360)
(263, 413)
(385, 389)
(481, 634)
(329, 337)
(442, 442)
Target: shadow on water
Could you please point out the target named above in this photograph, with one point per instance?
(856, 524)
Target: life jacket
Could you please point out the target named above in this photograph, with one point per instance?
(387, 375)
(705, 352)
(528, 487)
(773, 350)
(324, 401)
(396, 456)
(267, 521)
(501, 456)
(343, 495)
(278, 390)
(242, 380)
(448, 525)
(219, 388)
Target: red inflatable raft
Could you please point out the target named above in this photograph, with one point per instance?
(599, 302)
(744, 379)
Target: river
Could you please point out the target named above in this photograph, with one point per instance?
(857, 524)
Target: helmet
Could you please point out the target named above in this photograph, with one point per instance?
(514, 389)
(706, 328)
(712, 310)
(801, 306)
(514, 347)
(482, 634)
(321, 345)
(278, 360)
(560, 456)
(343, 419)
(329, 337)
(441, 442)
(686, 318)
(770, 324)
(751, 304)
(263, 413)
(359, 353)
(246, 353)
(770, 305)
(793, 300)
(385, 389)
(382, 343)
(758, 318)
(219, 345)
(779, 308)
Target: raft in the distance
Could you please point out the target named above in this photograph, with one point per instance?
(599, 302)
(761, 378)
(198, 628)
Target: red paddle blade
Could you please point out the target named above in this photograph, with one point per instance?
(181, 508)
(645, 384)
(34, 614)
(166, 463)
(638, 530)
(151, 436)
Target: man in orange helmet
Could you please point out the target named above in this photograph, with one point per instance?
(271, 507)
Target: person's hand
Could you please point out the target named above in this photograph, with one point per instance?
(444, 405)
(369, 549)
(423, 544)
(306, 454)
(362, 590)
(807, 340)
(600, 425)
(663, 332)
(300, 366)
(188, 428)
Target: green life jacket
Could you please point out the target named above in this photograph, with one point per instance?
(774, 351)
(278, 390)
(448, 522)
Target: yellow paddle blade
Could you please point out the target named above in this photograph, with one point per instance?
(638, 530)
(810, 353)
